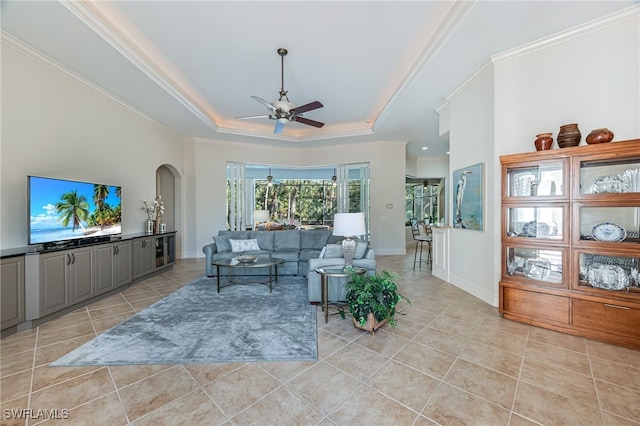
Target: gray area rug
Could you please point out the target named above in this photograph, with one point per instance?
(196, 324)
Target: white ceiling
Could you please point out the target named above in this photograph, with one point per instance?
(381, 68)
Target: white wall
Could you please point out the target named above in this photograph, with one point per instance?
(387, 168)
(432, 167)
(54, 126)
(591, 79)
(471, 115)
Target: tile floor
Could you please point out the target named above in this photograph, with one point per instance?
(452, 361)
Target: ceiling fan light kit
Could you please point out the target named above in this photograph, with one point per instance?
(283, 110)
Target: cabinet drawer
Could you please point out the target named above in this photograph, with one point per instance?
(607, 317)
(537, 306)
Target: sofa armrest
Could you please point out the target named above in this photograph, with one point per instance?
(370, 254)
(208, 251)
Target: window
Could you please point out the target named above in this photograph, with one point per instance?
(295, 196)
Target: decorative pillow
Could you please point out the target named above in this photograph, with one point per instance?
(222, 244)
(324, 249)
(361, 249)
(333, 251)
(244, 245)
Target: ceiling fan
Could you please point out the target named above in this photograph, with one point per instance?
(283, 110)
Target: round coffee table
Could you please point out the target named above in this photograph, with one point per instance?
(260, 262)
(334, 271)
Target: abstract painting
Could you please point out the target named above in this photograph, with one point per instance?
(468, 198)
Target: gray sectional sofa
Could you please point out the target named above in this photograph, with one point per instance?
(300, 249)
(295, 246)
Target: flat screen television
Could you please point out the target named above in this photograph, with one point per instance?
(70, 211)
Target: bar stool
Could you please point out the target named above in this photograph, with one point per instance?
(420, 240)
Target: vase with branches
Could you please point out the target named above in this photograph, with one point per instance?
(154, 211)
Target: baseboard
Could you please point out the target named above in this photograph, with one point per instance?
(474, 290)
(391, 252)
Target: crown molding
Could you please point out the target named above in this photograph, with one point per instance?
(10, 41)
(598, 24)
(118, 42)
(616, 18)
(452, 20)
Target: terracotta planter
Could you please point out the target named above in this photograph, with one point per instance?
(569, 135)
(603, 135)
(543, 141)
(372, 324)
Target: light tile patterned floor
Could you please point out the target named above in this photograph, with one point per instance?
(452, 360)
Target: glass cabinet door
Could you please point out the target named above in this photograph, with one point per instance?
(609, 175)
(541, 265)
(544, 179)
(609, 223)
(543, 222)
(599, 272)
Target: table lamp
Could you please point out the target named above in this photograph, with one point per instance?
(348, 225)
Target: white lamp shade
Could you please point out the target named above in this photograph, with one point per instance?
(261, 216)
(348, 224)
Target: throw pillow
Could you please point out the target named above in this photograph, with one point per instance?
(222, 244)
(333, 251)
(244, 245)
(361, 249)
(324, 249)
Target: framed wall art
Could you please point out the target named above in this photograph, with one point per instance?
(468, 197)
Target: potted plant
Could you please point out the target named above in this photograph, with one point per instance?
(372, 299)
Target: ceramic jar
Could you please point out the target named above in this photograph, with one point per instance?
(569, 135)
(599, 136)
(543, 141)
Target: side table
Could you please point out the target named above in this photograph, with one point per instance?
(333, 271)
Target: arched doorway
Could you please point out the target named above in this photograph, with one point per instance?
(169, 188)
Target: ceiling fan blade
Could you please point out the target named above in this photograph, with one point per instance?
(247, 117)
(307, 107)
(279, 127)
(307, 121)
(265, 103)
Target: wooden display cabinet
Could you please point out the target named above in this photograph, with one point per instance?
(571, 240)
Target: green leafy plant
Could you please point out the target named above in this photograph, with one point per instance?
(377, 294)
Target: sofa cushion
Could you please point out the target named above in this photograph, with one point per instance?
(306, 254)
(236, 235)
(239, 246)
(361, 249)
(314, 238)
(288, 239)
(265, 239)
(222, 243)
(332, 251)
(288, 255)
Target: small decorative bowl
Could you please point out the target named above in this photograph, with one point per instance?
(246, 259)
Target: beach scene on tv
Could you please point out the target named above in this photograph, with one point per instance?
(62, 210)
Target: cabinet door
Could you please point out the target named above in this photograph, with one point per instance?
(12, 291)
(142, 257)
(104, 268)
(535, 265)
(535, 180)
(122, 264)
(171, 248)
(612, 273)
(611, 174)
(53, 282)
(160, 252)
(80, 275)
